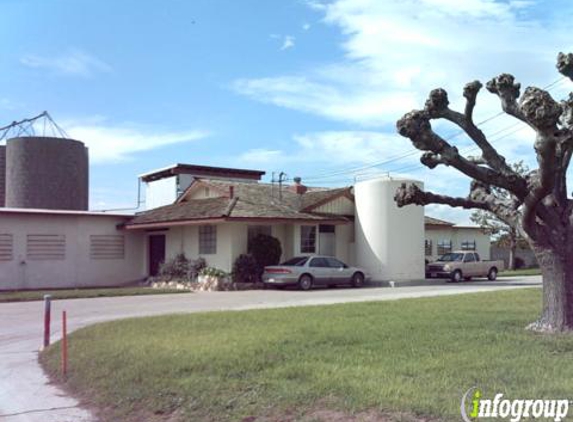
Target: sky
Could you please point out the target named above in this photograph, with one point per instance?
(311, 88)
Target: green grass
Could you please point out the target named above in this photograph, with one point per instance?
(417, 356)
(29, 295)
(525, 271)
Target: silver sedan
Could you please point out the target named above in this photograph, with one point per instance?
(315, 270)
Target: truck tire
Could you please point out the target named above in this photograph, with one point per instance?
(492, 274)
(457, 276)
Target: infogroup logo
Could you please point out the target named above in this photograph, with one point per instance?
(474, 406)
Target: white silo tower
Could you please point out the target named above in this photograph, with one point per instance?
(389, 240)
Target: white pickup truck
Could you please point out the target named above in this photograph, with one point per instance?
(463, 265)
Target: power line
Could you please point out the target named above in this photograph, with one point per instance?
(354, 169)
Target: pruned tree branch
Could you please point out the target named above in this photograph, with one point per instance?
(565, 64)
(507, 90)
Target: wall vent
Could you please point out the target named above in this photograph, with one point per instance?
(107, 246)
(6, 247)
(45, 247)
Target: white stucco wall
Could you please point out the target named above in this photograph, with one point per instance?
(77, 268)
(458, 235)
(160, 192)
(388, 238)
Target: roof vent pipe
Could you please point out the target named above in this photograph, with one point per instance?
(298, 187)
(231, 191)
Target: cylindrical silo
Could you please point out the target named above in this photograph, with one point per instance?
(43, 172)
(389, 240)
(2, 175)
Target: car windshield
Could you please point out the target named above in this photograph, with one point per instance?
(449, 257)
(297, 261)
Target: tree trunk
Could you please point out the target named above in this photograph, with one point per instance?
(557, 272)
(512, 248)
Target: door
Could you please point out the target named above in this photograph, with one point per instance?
(156, 253)
(327, 239)
(320, 271)
(469, 269)
(340, 273)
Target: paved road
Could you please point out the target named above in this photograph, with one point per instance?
(26, 396)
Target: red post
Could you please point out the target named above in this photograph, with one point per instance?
(47, 312)
(64, 344)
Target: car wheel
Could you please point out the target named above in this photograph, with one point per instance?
(492, 274)
(457, 276)
(357, 280)
(305, 282)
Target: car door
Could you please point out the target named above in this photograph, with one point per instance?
(320, 270)
(469, 269)
(340, 273)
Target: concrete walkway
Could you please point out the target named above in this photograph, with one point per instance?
(26, 395)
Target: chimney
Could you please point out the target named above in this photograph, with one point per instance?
(231, 191)
(298, 187)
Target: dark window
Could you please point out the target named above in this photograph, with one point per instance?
(477, 256)
(469, 245)
(444, 246)
(207, 240)
(326, 228)
(428, 247)
(335, 263)
(308, 239)
(297, 261)
(319, 262)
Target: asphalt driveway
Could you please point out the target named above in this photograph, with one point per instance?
(26, 395)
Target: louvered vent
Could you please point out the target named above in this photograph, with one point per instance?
(107, 246)
(46, 247)
(6, 247)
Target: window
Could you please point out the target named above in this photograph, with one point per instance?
(319, 262)
(297, 261)
(308, 239)
(327, 228)
(335, 263)
(6, 247)
(107, 246)
(45, 247)
(469, 245)
(428, 247)
(469, 257)
(207, 240)
(254, 231)
(444, 246)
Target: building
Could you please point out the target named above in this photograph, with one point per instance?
(208, 212)
(442, 237)
(221, 209)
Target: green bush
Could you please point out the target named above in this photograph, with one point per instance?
(180, 268)
(266, 250)
(245, 269)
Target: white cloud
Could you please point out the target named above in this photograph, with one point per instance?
(117, 143)
(75, 63)
(305, 26)
(396, 51)
(260, 156)
(288, 42)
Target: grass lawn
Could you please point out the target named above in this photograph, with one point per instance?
(28, 295)
(416, 356)
(525, 271)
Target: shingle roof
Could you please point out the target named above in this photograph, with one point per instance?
(436, 222)
(250, 201)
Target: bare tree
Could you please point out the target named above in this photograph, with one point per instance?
(507, 235)
(537, 204)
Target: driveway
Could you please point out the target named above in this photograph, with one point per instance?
(26, 395)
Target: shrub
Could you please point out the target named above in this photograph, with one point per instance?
(181, 268)
(175, 268)
(519, 263)
(245, 269)
(213, 272)
(266, 250)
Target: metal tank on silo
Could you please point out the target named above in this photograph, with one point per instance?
(389, 240)
(2, 175)
(46, 172)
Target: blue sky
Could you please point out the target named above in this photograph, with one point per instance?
(311, 88)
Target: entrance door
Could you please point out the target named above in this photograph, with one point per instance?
(326, 240)
(156, 252)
